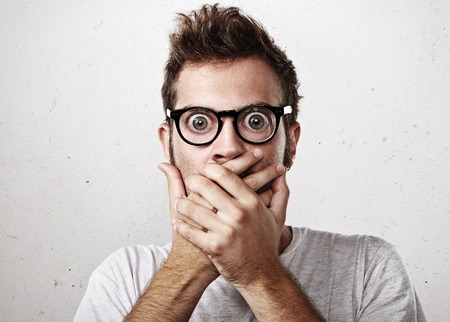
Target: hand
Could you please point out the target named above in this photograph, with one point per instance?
(242, 238)
(183, 252)
(181, 248)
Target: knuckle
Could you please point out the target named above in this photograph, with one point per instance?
(215, 248)
(191, 210)
(253, 202)
(240, 217)
(252, 182)
(228, 233)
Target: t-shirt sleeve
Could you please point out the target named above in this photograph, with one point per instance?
(388, 293)
(116, 284)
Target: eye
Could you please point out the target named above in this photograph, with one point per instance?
(199, 122)
(256, 121)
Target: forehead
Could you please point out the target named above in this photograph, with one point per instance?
(228, 85)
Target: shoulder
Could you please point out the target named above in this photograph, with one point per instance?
(116, 284)
(133, 256)
(137, 263)
(366, 268)
(316, 241)
(366, 256)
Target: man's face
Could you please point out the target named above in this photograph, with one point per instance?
(226, 86)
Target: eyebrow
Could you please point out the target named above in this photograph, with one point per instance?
(260, 103)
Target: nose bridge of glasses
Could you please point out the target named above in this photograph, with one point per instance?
(231, 127)
(230, 113)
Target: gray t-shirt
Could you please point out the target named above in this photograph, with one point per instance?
(347, 278)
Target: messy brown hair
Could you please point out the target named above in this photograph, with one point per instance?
(216, 34)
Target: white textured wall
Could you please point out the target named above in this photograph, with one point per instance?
(79, 109)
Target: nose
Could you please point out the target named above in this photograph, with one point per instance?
(227, 145)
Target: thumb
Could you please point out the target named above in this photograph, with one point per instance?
(278, 203)
(175, 185)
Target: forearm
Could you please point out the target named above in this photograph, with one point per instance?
(177, 287)
(172, 294)
(277, 297)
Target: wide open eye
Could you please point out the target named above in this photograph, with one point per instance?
(198, 121)
(256, 121)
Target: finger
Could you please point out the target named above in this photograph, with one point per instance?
(264, 177)
(209, 189)
(192, 234)
(177, 190)
(198, 199)
(255, 181)
(243, 162)
(216, 179)
(201, 216)
(175, 185)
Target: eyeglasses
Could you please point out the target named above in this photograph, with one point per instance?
(254, 124)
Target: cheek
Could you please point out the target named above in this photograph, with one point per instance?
(186, 158)
(277, 148)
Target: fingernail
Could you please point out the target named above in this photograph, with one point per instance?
(257, 153)
(176, 202)
(280, 168)
(174, 224)
(161, 167)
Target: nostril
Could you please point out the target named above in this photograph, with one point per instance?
(219, 159)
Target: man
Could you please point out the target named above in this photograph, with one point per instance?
(230, 96)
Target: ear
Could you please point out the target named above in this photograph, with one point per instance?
(294, 135)
(164, 139)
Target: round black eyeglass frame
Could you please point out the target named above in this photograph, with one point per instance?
(277, 111)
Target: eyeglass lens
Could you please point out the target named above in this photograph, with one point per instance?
(255, 124)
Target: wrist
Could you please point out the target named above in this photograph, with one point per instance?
(264, 277)
(192, 263)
